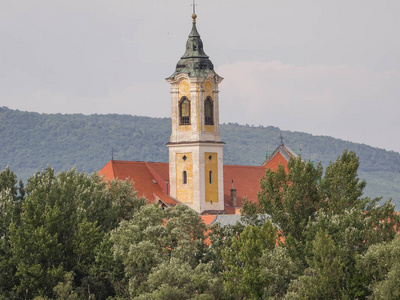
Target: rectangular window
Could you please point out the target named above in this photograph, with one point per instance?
(184, 177)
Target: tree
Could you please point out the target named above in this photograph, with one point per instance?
(64, 290)
(354, 231)
(291, 199)
(151, 237)
(388, 288)
(219, 238)
(11, 197)
(380, 268)
(124, 200)
(176, 279)
(341, 187)
(325, 276)
(351, 223)
(277, 270)
(109, 271)
(63, 220)
(242, 270)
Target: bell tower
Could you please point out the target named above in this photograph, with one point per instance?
(195, 147)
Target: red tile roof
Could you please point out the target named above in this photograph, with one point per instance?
(277, 160)
(151, 180)
(246, 181)
(208, 219)
(161, 169)
(143, 180)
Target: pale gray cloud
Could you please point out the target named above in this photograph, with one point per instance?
(324, 67)
(348, 102)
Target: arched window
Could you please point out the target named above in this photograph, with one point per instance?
(184, 177)
(211, 177)
(184, 111)
(208, 111)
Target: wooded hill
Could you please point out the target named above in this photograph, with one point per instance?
(30, 142)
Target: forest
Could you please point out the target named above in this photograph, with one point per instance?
(31, 141)
(312, 235)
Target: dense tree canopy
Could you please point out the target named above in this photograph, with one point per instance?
(62, 220)
(327, 224)
(312, 235)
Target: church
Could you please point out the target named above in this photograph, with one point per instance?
(195, 175)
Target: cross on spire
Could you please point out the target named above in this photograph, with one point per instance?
(194, 7)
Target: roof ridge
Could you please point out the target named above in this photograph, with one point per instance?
(137, 161)
(243, 166)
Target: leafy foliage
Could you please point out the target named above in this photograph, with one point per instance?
(176, 279)
(150, 238)
(290, 199)
(341, 185)
(63, 220)
(380, 267)
(325, 276)
(311, 236)
(242, 272)
(11, 197)
(327, 225)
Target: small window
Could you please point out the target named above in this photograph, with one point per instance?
(184, 177)
(184, 111)
(211, 177)
(208, 111)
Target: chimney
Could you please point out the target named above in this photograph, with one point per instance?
(233, 196)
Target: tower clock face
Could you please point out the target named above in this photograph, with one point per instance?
(184, 87)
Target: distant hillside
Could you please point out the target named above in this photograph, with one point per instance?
(31, 141)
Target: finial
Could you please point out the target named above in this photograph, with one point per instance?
(194, 16)
(112, 154)
(281, 139)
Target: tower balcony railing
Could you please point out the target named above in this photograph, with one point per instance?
(209, 120)
(185, 121)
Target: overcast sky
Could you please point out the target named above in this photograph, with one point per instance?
(326, 67)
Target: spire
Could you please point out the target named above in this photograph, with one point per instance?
(282, 140)
(194, 16)
(194, 62)
(194, 45)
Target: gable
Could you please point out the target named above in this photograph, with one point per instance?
(274, 162)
